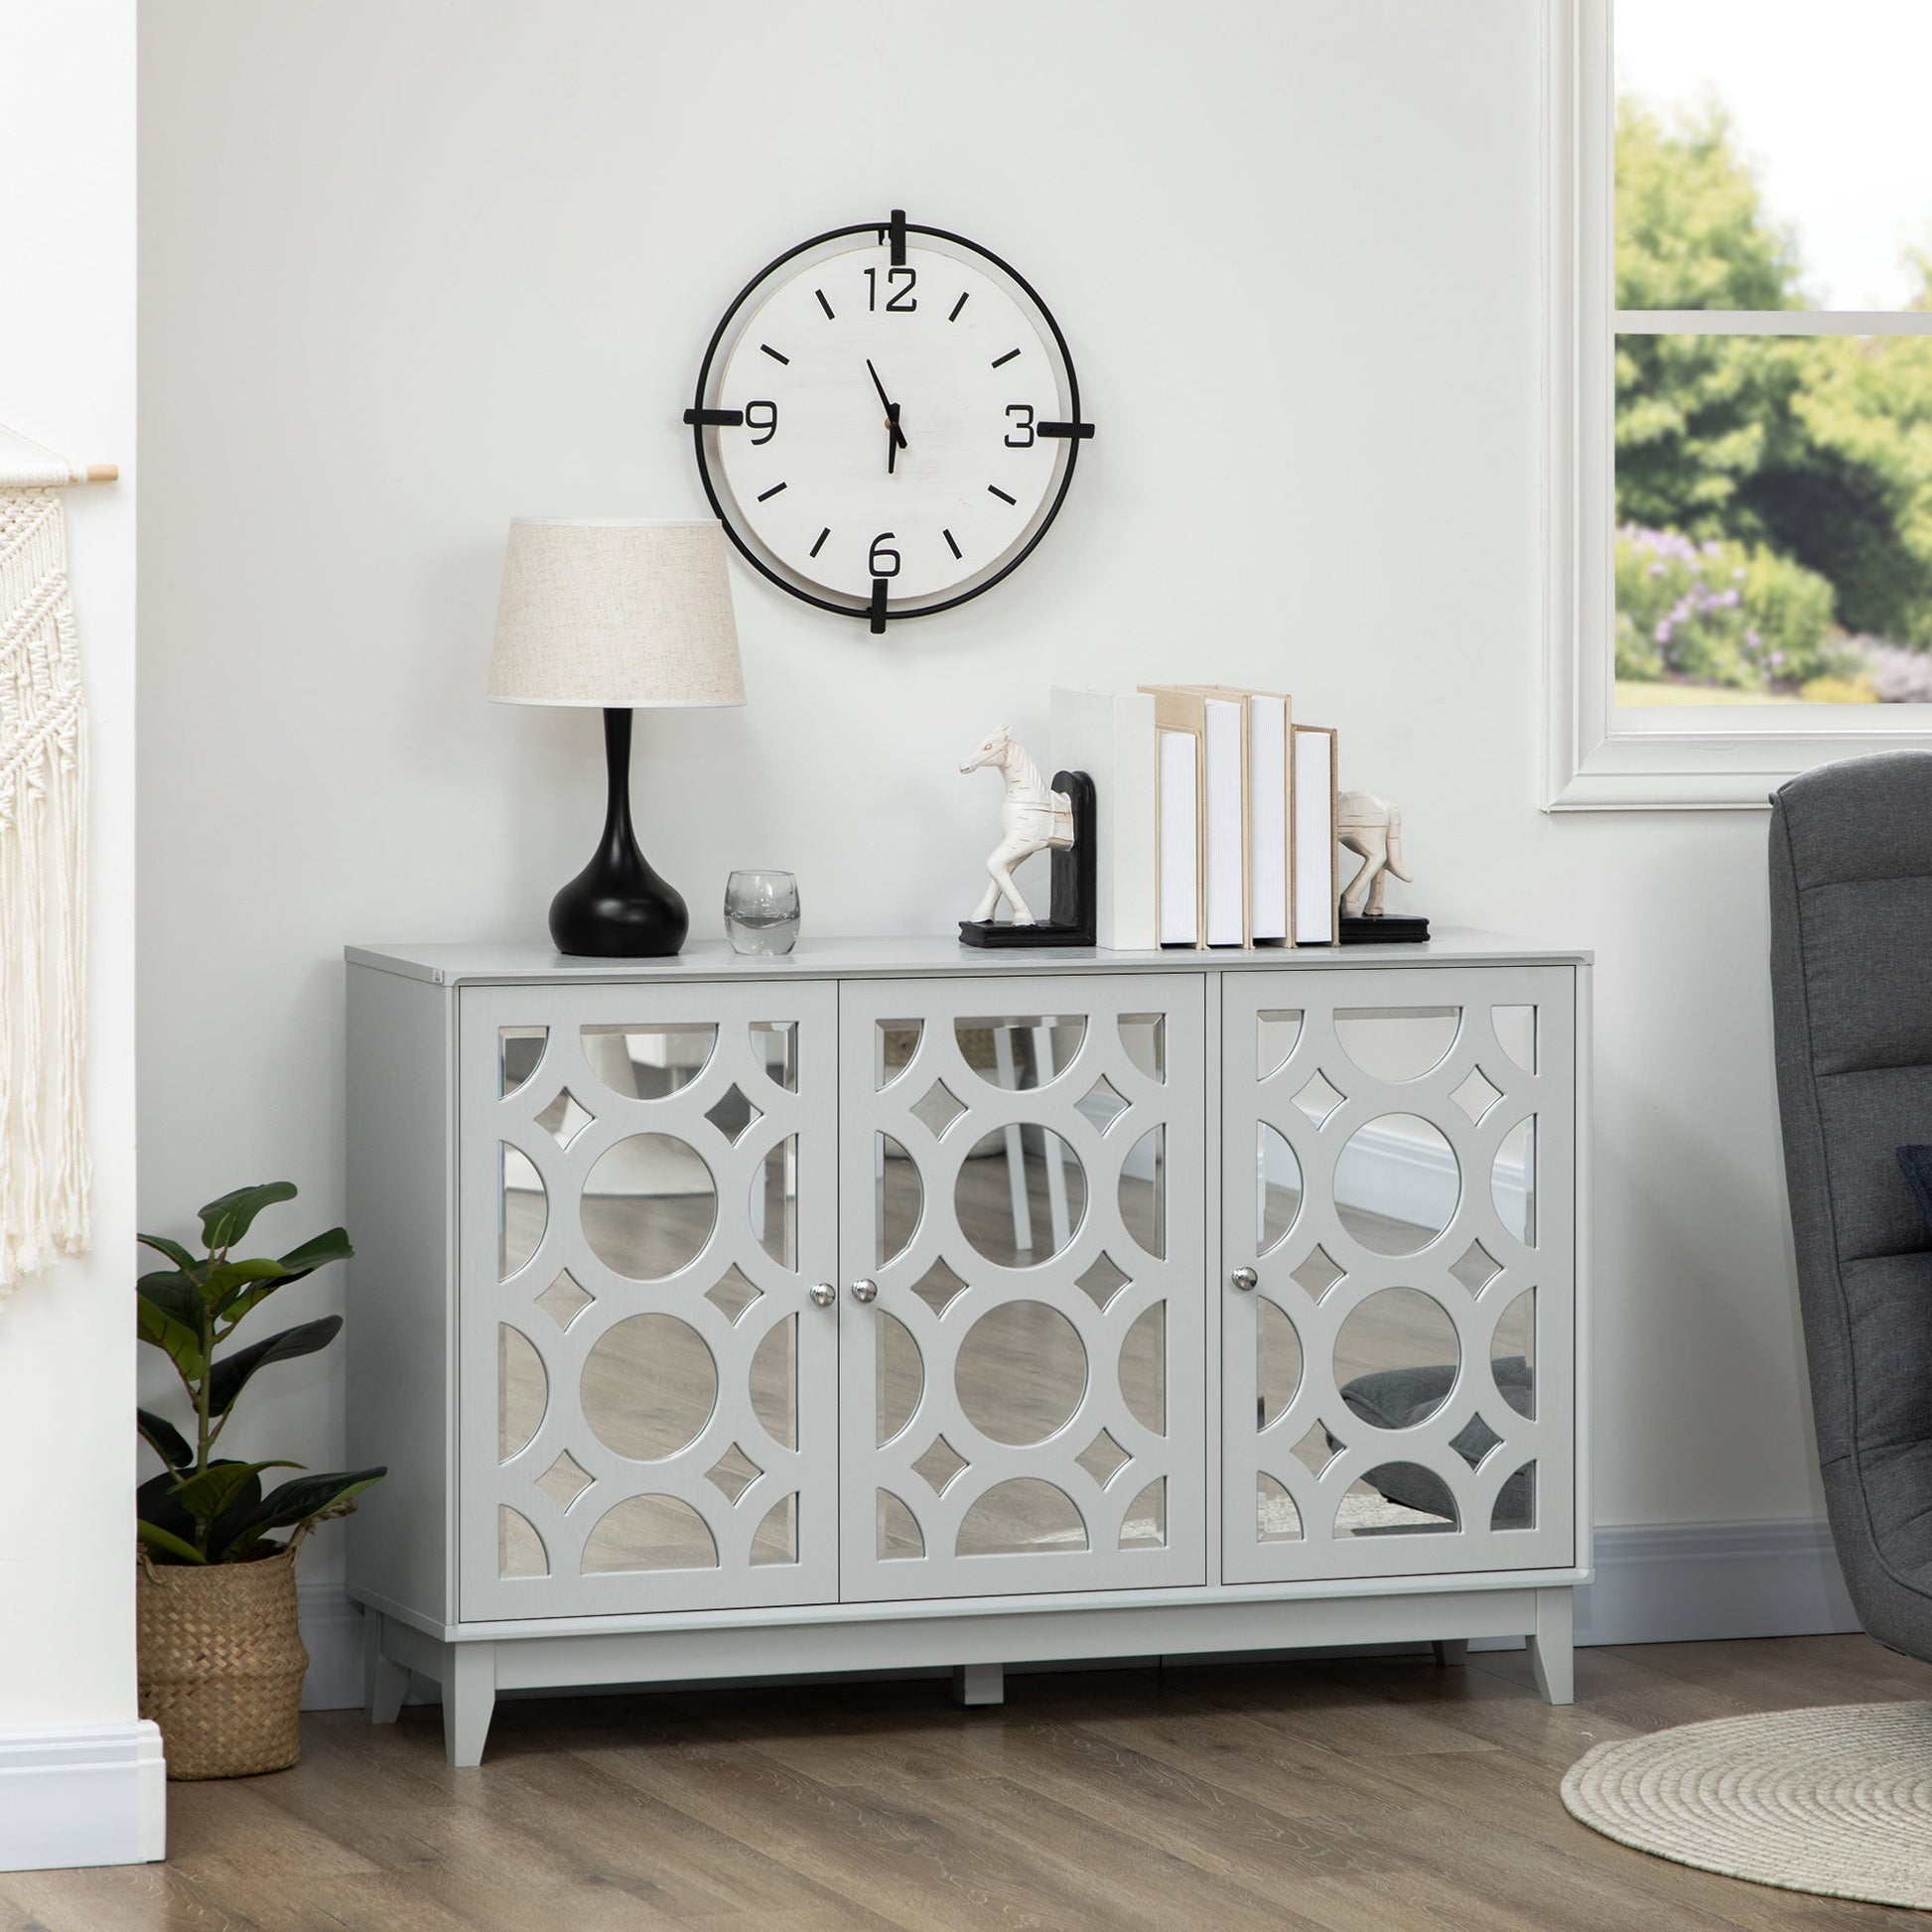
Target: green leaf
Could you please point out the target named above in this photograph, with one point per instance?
(155, 1502)
(319, 1252)
(297, 1501)
(225, 1487)
(161, 1318)
(226, 1221)
(174, 1252)
(169, 1544)
(232, 1372)
(167, 1441)
(222, 1281)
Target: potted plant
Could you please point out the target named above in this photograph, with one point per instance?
(221, 1659)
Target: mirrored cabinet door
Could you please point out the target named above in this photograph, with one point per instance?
(647, 1388)
(1397, 1308)
(1021, 1329)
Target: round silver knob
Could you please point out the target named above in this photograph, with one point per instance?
(1245, 1279)
(863, 1291)
(823, 1292)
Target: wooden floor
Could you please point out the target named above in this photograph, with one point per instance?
(1363, 1796)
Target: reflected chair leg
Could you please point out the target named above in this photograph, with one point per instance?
(1023, 1214)
(1550, 1656)
(468, 1700)
(1044, 1071)
(979, 1684)
(1451, 1650)
(385, 1685)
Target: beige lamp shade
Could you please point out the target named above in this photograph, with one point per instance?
(616, 613)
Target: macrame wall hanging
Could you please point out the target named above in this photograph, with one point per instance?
(44, 1164)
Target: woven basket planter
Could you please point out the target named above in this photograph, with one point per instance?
(222, 1664)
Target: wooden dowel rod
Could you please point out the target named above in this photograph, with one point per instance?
(103, 473)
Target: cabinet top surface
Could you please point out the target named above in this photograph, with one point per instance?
(712, 959)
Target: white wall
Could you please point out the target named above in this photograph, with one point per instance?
(412, 267)
(67, 1337)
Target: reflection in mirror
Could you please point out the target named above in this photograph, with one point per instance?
(1144, 1191)
(648, 1207)
(1101, 1281)
(1318, 1097)
(649, 1387)
(1316, 1273)
(564, 1119)
(649, 1533)
(518, 1049)
(648, 1063)
(898, 1199)
(1103, 1459)
(1516, 1033)
(940, 1287)
(1143, 1368)
(520, 1549)
(939, 1465)
(564, 1300)
(1275, 1037)
(1396, 1357)
(1277, 1520)
(775, 1539)
(733, 1292)
(894, 1042)
(1020, 1372)
(1021, 1051)
(1144, 1037)
(522, 1391)
(1145, 1526)
(731, 1114)
(1317, 1448)
(733, 1473)
(1512, 1354)
(774, 1046)
(1516, 1501)
(565, 1480)
(938, 1108)
(775, 1382)
(1476, 1093)
(898, 1373)
(1023, 1516)
(523, 1209)
(1396, 1183)
(1278, 1363)
(1278, 1188)
(775, 1202)
(1512, 1182)
(898, 1530)
(1397, 1043)
(1021, 1196)
(1475, 1267)
(1396, 1499)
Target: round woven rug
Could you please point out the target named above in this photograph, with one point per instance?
(1836, 1801)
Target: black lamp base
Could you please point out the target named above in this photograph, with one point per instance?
(618, 907)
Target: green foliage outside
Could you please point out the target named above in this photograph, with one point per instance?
(1808, 459)
(204, 1508)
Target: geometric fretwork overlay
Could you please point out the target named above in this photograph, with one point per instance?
(1399, 1173)
(1022, 1177)
(657, 1433)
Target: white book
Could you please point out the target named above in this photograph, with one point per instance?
(1269, 859)
(1315, 915)
(1179, 921)
(1109, 737)
(1225, 794)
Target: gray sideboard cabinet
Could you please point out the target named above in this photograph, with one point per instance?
(893, 1304)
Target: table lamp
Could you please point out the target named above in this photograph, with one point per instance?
(617, 613)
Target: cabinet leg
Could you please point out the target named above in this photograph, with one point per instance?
(1451, 1650)
(979, 1684)
(1550, 1656)
(384, 1683)
(468, 1700)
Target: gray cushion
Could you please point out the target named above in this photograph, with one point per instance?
(1851, 865)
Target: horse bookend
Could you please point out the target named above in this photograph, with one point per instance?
(1035, 817)
(1371, 828)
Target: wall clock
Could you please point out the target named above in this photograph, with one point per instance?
(887, 420)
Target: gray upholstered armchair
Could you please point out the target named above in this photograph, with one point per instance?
(1852, 1003)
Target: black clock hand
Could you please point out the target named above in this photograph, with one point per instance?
(894, 439)
(898, 441)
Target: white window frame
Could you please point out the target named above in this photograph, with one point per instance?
(1598, 758)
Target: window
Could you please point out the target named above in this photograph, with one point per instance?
(1741, 382)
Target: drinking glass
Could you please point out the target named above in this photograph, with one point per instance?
(761, 911)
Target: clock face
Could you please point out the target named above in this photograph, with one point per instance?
(887, 438)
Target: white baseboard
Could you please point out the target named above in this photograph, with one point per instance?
(1684, 1583)
(91, 1794)
(1656, 1583)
